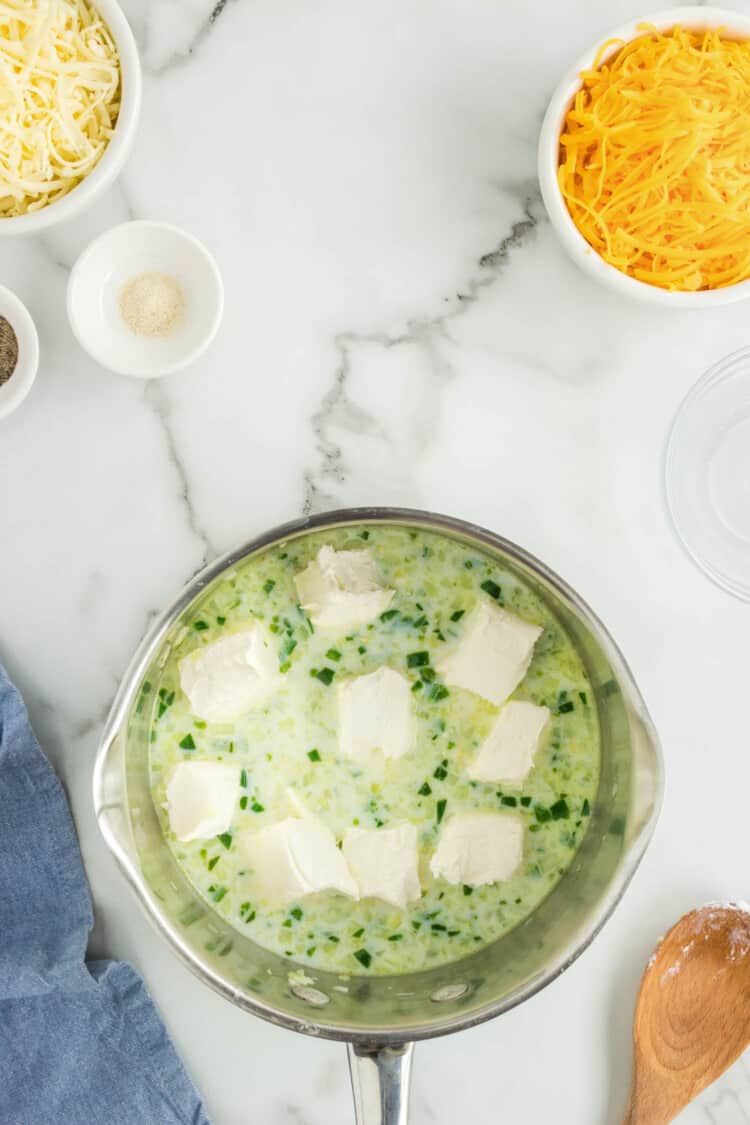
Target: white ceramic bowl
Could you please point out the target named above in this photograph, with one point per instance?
(96, 282)
(15, 389)
(585, 256)
(116, 152)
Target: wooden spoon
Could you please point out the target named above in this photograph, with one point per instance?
(692, 1019)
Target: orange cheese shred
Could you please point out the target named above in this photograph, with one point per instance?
(654, 161)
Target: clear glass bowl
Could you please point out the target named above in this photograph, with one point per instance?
(707, 473)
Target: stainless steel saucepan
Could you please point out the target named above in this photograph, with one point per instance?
(380, 1018)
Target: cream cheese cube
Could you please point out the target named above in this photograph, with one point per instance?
(384, 863)
(477, 848)
(342, 589)
(376, 713)
(297, 857)
(493, 656)
(225, 679)
(201, 797)
(507, 754)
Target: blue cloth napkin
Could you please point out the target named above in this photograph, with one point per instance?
(80, 1042)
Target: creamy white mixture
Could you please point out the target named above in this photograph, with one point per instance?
(373, 749)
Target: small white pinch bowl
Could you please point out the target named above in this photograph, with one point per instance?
(96, 282)
(696, 18)
(15, 389)
(118, 149)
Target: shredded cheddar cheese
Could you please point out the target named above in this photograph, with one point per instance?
(655, 159)
(59, 99)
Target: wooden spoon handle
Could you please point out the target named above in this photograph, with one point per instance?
(631, 1117)
(647, 1106)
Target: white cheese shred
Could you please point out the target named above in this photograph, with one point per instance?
(59, 99)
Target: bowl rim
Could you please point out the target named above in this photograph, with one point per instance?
(22, 379)
(197, 247)
(571, 238)
(317, 1025)
(118, 149)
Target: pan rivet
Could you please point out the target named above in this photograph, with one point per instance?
(310, 995)
(450, 992)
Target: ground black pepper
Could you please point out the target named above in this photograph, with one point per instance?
(8, 350)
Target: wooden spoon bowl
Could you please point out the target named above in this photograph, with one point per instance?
(692, 1019)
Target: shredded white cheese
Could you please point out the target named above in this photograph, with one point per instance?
(59, 99)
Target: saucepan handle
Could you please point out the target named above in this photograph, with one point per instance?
(110, 804)
(380, 1082)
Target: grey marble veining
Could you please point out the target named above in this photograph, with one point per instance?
(338, 410)
(157, 399)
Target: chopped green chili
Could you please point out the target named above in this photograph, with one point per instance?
(560, 810)
(190, 915)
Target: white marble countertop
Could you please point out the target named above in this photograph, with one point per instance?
(401, 327)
